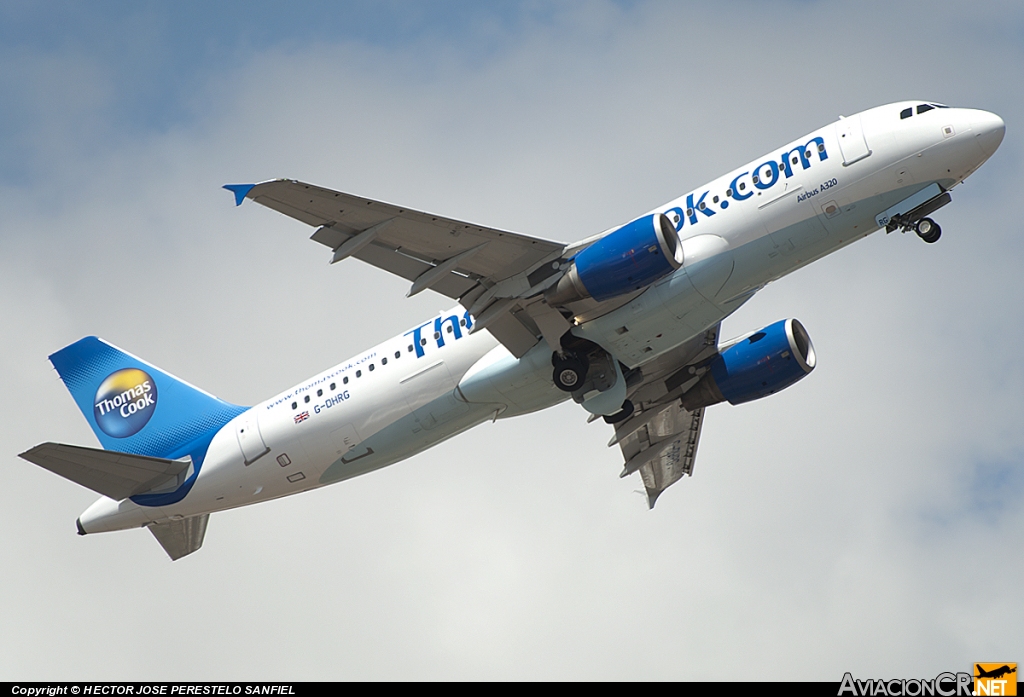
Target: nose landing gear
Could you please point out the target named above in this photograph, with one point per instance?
(928, 230)
(917, 219)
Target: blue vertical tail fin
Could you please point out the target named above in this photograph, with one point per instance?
(134, 407)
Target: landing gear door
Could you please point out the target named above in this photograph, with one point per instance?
(250, 440)
(850, 134)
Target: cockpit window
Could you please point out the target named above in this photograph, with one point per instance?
(940, 106)
(921, 108)
(907, 113)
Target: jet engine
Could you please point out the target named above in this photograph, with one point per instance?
(630, 258)
(763, 363)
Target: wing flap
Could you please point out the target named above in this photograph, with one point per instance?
(512, 334)
(451, 285)
(112, 474)
(678, 452)
(661, 445)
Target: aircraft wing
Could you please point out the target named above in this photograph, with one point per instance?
(660, 439)
(483, 268)
(663, 449)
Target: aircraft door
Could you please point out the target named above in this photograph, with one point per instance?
(250, 440)
(850, 133)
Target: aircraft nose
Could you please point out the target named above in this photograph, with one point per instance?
(989, 130)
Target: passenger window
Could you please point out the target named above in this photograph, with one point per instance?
(462, 322)
(450, 330)
(306, 399)
(384, 361)
(410, 348)
(359, 373)
(295, 405)
(344, 380)
(334, 386)
(907, 113)
(423, 342)
(371, 367)
(398, 354)
(319, 393)
(921, 108)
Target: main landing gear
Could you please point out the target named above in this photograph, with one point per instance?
(570, 371)
(928, 230)
(596, 380)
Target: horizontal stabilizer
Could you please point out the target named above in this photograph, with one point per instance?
(112, 474)
(180, 538)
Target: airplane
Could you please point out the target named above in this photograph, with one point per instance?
(995, 673)
(625, 323)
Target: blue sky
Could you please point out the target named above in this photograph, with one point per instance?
(819, 524)
(149, 57)
(155, 53)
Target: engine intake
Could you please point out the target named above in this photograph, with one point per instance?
(767, 361)
(630, 258)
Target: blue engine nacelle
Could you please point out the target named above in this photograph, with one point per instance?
(769, 360)
(630, 258)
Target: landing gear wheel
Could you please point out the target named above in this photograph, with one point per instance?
(928, 230)
(569, 374)
(622, 414)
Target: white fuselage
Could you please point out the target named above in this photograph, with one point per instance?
(739, 232)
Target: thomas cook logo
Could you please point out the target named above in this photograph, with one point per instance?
(125, 402)
(995, 678)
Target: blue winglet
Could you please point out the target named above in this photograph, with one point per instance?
(240, 190)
